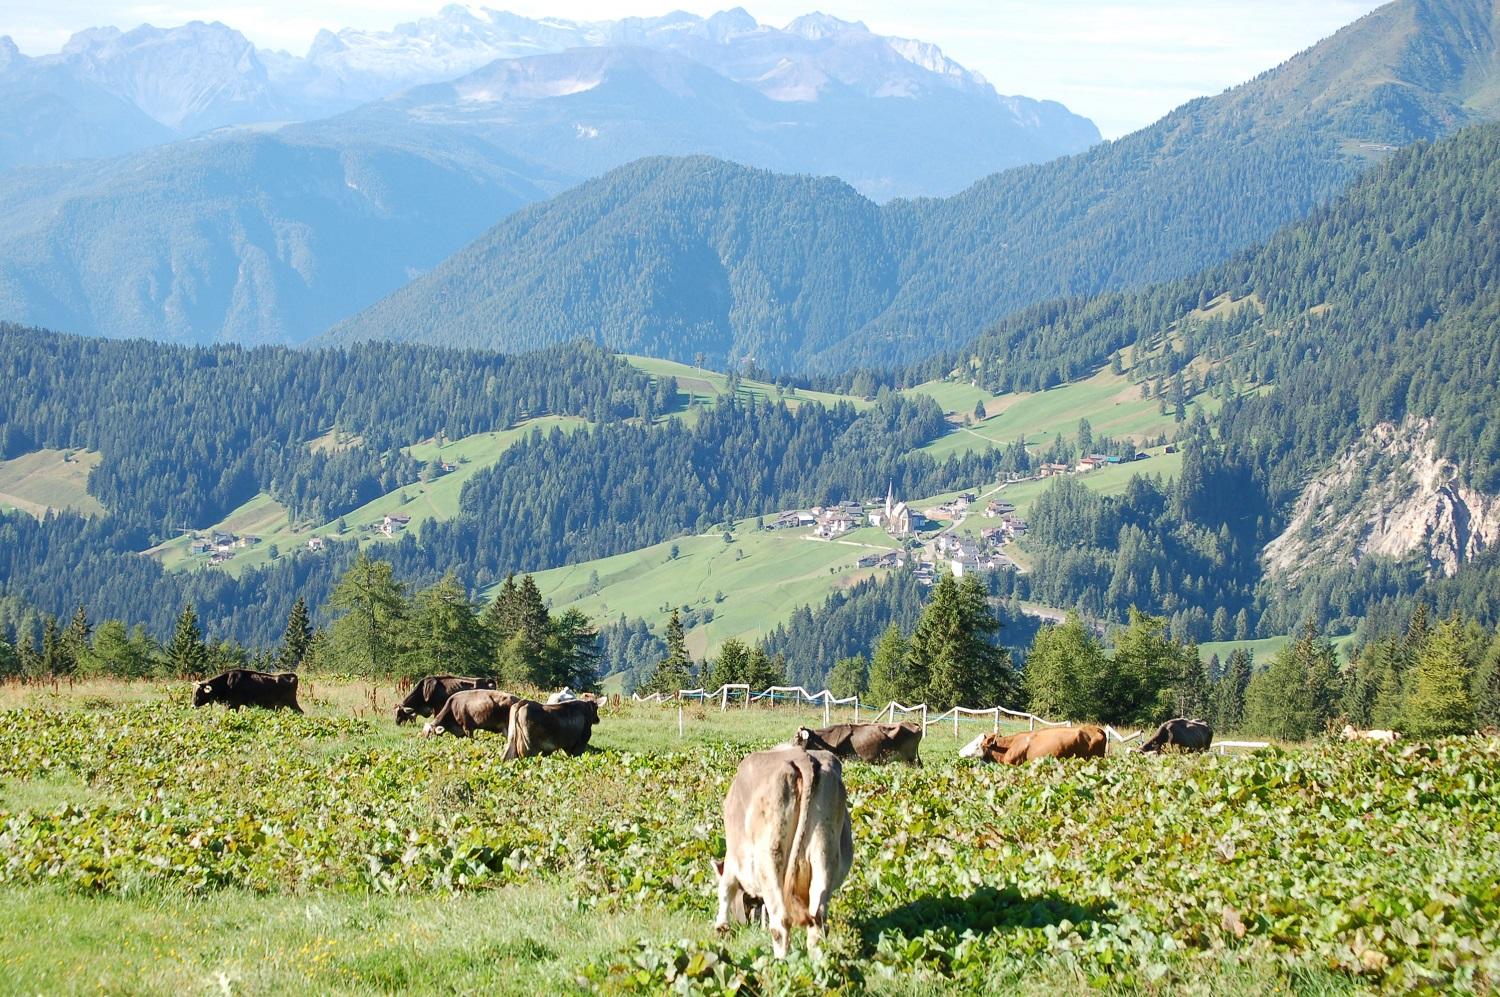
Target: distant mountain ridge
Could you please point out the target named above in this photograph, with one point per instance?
(699, 256)
(199, 77)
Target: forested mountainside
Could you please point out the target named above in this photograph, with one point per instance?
(321, 432)
(683, 257)
(249, 237)
(1378, 310)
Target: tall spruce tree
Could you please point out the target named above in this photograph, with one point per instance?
(366, 638)
(1438, 703)
(295, 638)
(1485, 687)
(1062, 672)
(953, 646)
(891, 680)
(1229, 691)
(675, 671)
(444, 633)
(77, 640)
(186, 653)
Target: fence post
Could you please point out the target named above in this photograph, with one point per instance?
(997, 720)
(856, 709)
(924, 718)
(747, 699)
(679, 718)
(1031, 722)
(825, 711)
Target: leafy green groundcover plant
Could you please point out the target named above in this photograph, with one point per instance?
(1375, 864)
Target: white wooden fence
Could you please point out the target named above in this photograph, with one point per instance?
(828, 700)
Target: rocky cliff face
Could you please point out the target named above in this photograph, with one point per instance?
(1390, 495)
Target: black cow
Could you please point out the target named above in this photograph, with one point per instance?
(243, 687)
(427, 697)
(876, 743)
(1182, 734)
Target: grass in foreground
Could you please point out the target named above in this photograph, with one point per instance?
(151, 847)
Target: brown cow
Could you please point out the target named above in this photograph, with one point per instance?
(540, 729)
(428, 695)
(876, 743)
(1049, 742)
(473, 709)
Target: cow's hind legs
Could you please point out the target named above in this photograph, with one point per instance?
(729, 892)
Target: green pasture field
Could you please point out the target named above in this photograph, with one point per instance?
(1264, 648)
(779, 571)
(146, 848)
(266, 518)
(1110, 402)
(706, 387)
(49, 479)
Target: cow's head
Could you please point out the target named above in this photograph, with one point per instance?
(808, 740)
(974, 749)
(203, 693)
(404, 715)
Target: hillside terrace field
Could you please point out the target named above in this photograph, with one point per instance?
(162, 849)
(49, 479)
(706, 387)
(266, 518)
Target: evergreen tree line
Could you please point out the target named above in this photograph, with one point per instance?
(380, 628)
(186, 434)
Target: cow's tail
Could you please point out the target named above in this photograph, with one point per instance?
(514, 733)
(796, 882)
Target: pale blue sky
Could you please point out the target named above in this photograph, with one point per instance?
(1123, 63)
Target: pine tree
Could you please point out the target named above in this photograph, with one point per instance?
(1221, 625)
(1229, 693)
(572, 651)
(1062, 671)
(366, 639)
(186, 653)
(953, 645)
(890, 677)
(849, 677)
(295, 638)
(76, 641)
(1296, 696)
(732, 664)
(1439, 703)
(675, 671)
(444, 633)
(1485, 687)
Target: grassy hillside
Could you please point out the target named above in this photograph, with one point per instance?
(1264, 648)
(750, 585)
(264, 517)
(1110, 402)
(705, 387)
(49, 479)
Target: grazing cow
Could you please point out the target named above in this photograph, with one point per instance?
(563, 695)
(1351, 733)
(1049, 742)
(540, 729)
(473, 709)
(242, 687)
(427, 697)
(788, 843)
(1182, 734)
(876, 743)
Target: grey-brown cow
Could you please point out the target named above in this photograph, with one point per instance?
(471, 710)
(542, 728)
(788, 843)
(428, 695)
(875, 743)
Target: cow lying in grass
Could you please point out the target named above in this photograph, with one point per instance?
(1352, 733)
(1050, 742)
(788, 843)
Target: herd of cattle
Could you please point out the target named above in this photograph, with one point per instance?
(788, 839)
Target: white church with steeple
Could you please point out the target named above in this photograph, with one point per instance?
(895, 517)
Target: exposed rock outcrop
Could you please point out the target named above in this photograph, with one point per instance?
(1391, 495)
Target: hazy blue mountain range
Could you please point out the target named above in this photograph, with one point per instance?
(742, 89)
(688, 256)
(264, 231)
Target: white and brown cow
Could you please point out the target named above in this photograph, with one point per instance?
(788, 843)
(1352, 733)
